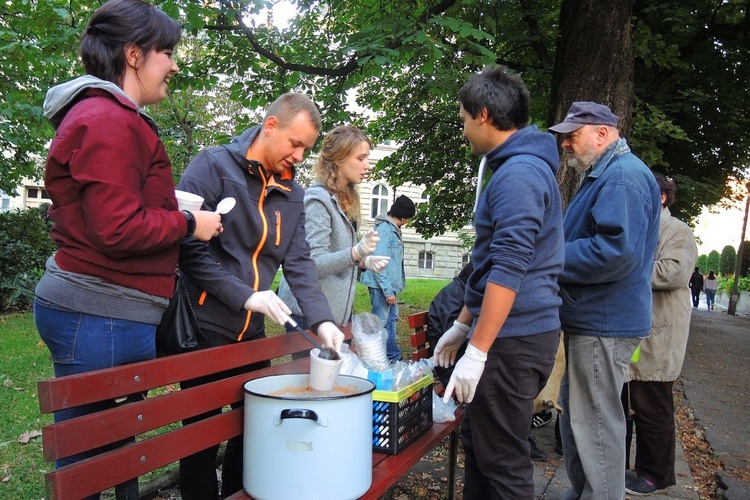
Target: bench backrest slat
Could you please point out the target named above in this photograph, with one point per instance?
(418, 323)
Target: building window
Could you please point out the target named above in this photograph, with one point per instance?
(425, 260)
(465, 259)
(379, 202)
(35, 196)
(4, 202)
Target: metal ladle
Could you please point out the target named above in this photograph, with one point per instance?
(225, 205)
(325, 352)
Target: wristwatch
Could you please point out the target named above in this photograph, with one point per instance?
(190, 222)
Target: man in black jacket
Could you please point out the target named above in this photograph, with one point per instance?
(229, 280)
(696, 285)
(444, 309)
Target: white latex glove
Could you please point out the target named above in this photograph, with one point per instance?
(376, 263)
(449, 343)
(268, 303)
(466, 375)
(330, 335)
(366, 245)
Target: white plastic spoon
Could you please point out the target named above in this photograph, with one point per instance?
(225, 205)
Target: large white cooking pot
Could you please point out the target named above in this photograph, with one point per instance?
(307, 444)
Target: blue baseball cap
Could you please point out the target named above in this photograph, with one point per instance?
(585, 113)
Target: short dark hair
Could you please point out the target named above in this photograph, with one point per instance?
(667, 187)
(502, 93)
(117, 24)
(289, 105)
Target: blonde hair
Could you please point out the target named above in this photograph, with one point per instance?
(340, 144)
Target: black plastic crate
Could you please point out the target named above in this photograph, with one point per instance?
(397, 424)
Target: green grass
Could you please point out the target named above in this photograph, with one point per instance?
(25, 360)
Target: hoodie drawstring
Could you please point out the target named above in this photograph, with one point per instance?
(479, 184)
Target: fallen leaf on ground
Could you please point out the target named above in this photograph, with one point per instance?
(28, 435)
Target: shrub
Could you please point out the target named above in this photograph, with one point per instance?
(712, 263)
(727, 283)
(26, 244)
(728, 260)
(703, 264)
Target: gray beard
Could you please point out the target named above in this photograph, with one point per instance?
(576, 163)
(579, 162)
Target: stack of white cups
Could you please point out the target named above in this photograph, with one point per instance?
(188, 201)
(372, 350)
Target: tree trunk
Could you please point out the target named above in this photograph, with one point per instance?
(594, 63)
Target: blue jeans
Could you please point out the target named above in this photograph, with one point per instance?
(592, 423)
(710, 295)
(80, 342)
(388, 315)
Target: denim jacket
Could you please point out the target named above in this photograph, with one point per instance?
(392, 279)
(611, 230)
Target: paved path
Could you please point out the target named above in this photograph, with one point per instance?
(716, 377)
(551, 480)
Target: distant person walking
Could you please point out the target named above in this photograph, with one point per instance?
(696, 286)
(710, 286)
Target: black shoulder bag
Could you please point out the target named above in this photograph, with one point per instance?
(178, 330)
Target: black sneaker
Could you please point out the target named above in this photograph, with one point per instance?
(541, 418)
(536, 453)
(640, 486)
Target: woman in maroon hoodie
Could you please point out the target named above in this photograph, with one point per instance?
(117, 226)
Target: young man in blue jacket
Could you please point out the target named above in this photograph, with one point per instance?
(384, 286)
(611, 231)
(511, 309)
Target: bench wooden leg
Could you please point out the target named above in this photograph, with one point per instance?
(452, 462)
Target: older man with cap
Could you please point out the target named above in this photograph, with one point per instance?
(611, 230)
(384, 286)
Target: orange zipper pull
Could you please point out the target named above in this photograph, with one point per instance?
(278, 228)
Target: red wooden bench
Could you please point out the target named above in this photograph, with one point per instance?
(159, 442)
(418, 323)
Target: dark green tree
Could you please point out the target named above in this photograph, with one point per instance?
(703, 263)
(713, 261)
(745, 265)
(728, 260)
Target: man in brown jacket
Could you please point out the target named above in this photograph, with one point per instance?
(648, 395)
